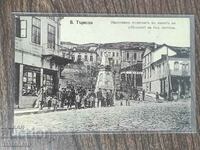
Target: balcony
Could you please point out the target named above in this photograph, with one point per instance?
(57, 54)
(22, 44)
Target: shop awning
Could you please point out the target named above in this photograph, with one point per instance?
(57, 59)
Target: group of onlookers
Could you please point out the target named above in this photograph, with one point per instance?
(78, 97)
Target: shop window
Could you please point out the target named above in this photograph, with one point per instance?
(36, 30)
(29, 84)
(21, 28)
(51, 37)
(48, 83)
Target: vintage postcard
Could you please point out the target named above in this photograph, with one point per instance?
(99, 73)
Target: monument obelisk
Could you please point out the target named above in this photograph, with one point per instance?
(105, 80)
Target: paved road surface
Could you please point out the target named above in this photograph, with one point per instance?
(139, 116)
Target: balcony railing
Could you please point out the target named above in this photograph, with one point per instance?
(57, 50)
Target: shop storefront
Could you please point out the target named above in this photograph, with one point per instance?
(50, 82)
(30, 80)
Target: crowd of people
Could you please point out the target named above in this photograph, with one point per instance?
(78, 97)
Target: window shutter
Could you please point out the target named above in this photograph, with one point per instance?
(17, 27)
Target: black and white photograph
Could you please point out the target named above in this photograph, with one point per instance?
(88, 74)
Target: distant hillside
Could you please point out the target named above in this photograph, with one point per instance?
(120, 45)
(117, 45)
(127, 45)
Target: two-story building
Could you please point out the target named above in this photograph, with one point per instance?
(131, 56)
(131, 67)
(166, 70)
(37, 58)
(86, 55)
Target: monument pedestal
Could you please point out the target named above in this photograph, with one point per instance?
(105, 79)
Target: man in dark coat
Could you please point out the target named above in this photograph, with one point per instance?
(99, 97)
(63, 96)
(111, 102)
(73, 96)
(107, 99)
(143, 94)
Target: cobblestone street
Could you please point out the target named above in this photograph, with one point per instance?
(143, 116)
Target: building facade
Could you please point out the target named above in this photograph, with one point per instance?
(89, 58)
(131, 56)
(37, 58)
(131, 68)
(113, 54)
(166, 70)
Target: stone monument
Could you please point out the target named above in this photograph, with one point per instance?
(105, 79)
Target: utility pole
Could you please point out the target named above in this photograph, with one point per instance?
(114, 82)
(169, 76)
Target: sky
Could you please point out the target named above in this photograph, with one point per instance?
(171, 31)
